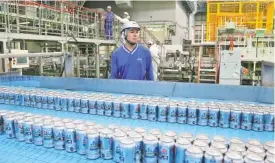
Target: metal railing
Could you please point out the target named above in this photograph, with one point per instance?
(56, 19)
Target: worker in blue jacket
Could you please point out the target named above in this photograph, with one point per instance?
(131, 61)
(108, 24)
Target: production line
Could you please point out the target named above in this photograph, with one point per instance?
(92, 114)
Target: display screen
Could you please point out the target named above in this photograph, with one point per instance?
(21, 60)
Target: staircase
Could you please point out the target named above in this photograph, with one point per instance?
(207, 70)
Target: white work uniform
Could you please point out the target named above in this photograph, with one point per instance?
(123, 21)
(155, 60)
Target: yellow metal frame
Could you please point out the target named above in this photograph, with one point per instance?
(251, 14)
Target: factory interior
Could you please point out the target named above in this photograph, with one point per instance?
(132, 81)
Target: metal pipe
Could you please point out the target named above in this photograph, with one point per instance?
(11, 55)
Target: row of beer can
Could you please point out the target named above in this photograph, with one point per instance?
(215, 114)
(127, 145)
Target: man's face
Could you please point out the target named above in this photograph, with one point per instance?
(124, 16)
(149, 45)
(109, 9)
(133, 35)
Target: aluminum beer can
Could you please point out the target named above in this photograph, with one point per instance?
(224, 120)
(213, 118)
(44, 101)
(157, 133)
(172, 113)
(118, 136)
(2, 101)
(134, 110)
(235, 118)
(92, 145)
(81, 139)
(192, 114)
(28, 131)
(138, 145)
(57, 102)
(11, 100)
(203, 114)
(100, 107)
(258, 121)
(70, 137)
(70, 101)
(166, 150)
(233, 157)
(253, 158)
(182, 113)
(152, 111)
(38, 100)
(50, 101)
(203, 137)
(140, 131)
(150, 149)
(38, 131)
(58, 135)
(17, 98)
(253, 143)
(117, 108)
(257, 151)
(84, 105)
(172, 135)
(77, 104)
(238, 149)
(63, 103)
(219, 139)
(182, 145)
(213, 156)
(269, 121)
(106, 143)
(48, 141)
(246, 123)
(19, 130)
(193, 154)
(162, 112)
(237, 142)
(113, 127)
(187, 136)
(127, 150)
(32, 99)
(220, 147)
(9, 127)
(201, 144)
(270, 153)
(108, 108)
(143, 111)
(26, 98)
(269, 145)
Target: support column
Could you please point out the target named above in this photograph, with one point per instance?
(97, 62)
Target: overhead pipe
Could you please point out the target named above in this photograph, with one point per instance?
(192, 22)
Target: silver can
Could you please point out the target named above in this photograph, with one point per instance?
(81, 136)
(213, 156)
(269, 160)
(92, 146)
(157, 133)
(166, 150)
(138, 144)
(258, 121)
(28, 130)
(150, 149)
(201, 144)
(152, 111)
(187, 136)
(219, 139)
(58, 135)
(182, 113)
(269, 145)
(253, 143)
(238, 149)
(203, 114)
(233, 157)
(181, 146)
(256, 151)
(194, 155)
(48, 141)
(172, 113)
(235, 118)
(220, 147)
(70, 137)
(127, 152)
(106, 144)
(224, 120)
(140, 131)
(192, 114)
(237, 142)
(118, 136)
(203, 137)
(162, 112)
(171, 134)
(38, 132)
(253, 158)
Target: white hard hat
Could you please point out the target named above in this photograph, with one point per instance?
(129, 25)
(109, 7)
(126, 13)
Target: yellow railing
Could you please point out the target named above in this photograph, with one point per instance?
(250, 14)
